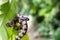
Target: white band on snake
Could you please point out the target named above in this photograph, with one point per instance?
(23, 27)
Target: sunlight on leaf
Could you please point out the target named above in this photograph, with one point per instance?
(3, 1)
(25, 37)
(10, 14)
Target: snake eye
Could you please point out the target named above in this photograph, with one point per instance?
(27, 19)
(24, 18)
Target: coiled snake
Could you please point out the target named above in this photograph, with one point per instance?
(22, 21)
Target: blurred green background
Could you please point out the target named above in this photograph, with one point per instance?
(44, 15)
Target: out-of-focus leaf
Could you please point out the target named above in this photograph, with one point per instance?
(42, 12)
(5, 7)
(55, 2)
(33, 11)
(49, 9)
(3, 32)
(3, 1)
(57, 34)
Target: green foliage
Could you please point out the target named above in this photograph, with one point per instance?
(58, 15)
(46, 27)
(9, 12)
(57, 34)
(42, 11)
(5, 7)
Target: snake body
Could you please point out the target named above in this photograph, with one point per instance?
(23, 21)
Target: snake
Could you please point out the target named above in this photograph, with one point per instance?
(23, 27)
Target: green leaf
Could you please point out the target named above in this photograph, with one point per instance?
(25, 37)
(8, 15)
(3, 1)
(3, 33)
(43, 12)
(5, 7)
(9, 11)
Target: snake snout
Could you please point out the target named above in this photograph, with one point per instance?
(27, 19)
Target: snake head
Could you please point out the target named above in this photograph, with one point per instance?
(17, 19)
(24, 18)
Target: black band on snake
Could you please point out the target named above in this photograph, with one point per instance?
(23, 27)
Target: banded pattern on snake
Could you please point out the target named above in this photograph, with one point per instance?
(21, 20)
